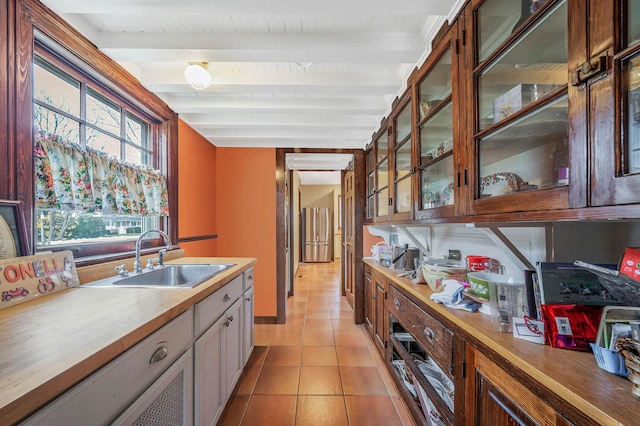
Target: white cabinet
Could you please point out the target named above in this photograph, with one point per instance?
(218, 364)
(168, 402)
(247, 324)
(109, 391)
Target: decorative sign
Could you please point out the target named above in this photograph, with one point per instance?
(24, 278)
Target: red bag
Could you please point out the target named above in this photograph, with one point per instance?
(571, 326)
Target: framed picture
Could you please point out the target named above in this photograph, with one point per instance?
(13, 232)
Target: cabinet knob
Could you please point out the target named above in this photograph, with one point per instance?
(429, 333)
(396, 302)
(159, 354)
(248, 299)
(226, 298)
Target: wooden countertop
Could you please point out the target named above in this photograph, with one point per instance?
(50, 344)
(574, 377)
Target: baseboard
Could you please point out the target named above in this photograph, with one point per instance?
(265, 320)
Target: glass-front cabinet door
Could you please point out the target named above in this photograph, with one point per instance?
(380, 197)
(434, 121)
(520, 156)
(616, 142)
(371, 183)
(401, 200)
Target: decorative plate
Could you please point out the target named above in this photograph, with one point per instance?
(505, 178)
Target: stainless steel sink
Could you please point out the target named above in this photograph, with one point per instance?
(168, 276)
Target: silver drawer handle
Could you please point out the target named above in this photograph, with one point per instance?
(429, 333)
(160, 354)
(226, 298)
(396, 302)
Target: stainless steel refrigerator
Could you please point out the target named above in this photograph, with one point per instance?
(316, 234)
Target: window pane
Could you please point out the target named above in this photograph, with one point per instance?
(103, 142)
(52, 89)
(133, 155)
(103, 114)
(50, 122)
(136, 131)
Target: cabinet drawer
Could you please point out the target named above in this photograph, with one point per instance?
(248, 278)
(111, 389)
(210, 309)
(429, 333)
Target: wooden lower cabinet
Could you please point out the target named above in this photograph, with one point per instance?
(495, 398)
(375, 293)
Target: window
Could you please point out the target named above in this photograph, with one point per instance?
(73, 108)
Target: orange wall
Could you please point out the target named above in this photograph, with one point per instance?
(246, 216)
(196, 191)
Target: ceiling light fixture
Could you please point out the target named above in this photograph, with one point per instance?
(197, 75)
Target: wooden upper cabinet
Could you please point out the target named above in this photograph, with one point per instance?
(401, 156)
(614, 100)
(518, 158)
(379, 178)
(438, 136)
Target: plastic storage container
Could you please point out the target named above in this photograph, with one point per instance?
(608, 359)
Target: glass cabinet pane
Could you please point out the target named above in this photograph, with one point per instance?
(370, 207)
(403, 195)
(382, 203)
(528, 70)
(436, 184)
(382, 144)
(436, 87)
(436, 136)
(633, 121)
(370, 184)
(530, 153)
(403, 123)
(383, 174)
(403, 160)
(633, 29)
(497, 19)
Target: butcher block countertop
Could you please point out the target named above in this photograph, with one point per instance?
(565, 377)
(50, 344)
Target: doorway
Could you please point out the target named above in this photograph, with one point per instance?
(287, 224)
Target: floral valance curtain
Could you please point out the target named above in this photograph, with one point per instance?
(73, 177)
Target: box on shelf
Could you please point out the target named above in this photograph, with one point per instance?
(518, 97)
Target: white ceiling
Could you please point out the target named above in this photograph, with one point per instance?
(264, 92)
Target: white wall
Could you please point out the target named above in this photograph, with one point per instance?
(593, 242)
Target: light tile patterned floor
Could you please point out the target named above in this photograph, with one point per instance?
(317, 369)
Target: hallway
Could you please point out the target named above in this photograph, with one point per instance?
(319, 368)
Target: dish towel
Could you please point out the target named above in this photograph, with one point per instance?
(452, 297)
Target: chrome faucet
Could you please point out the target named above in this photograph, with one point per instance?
(137, 266)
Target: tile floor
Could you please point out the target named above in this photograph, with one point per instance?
(317, 369)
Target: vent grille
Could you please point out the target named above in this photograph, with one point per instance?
(167, 408)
